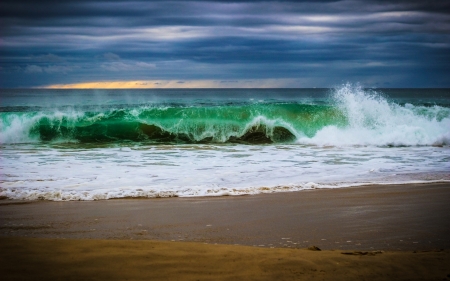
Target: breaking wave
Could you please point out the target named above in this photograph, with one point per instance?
(352, 116)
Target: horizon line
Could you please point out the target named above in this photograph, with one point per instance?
(282, 83)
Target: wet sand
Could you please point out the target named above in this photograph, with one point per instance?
(96, 244)
(86, 259)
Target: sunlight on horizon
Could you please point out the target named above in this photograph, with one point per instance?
(161, 84)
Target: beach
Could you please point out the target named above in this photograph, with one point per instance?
(233, 184)
(379, 232)
(225, 140)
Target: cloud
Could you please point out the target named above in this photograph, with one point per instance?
(33, 69)
(50, 58)
(145, 65)
(58, 69)
(127, 66)
(111, 56)
(48, 69)
(223, 40)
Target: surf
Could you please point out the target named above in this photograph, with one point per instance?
(372, 119)
(253, 123)
(351, 115)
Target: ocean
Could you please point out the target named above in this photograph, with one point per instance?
(102, 144)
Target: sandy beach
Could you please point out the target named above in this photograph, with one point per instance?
(382, 232)
(224, 140)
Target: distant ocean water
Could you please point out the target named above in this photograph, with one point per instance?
(102, 144)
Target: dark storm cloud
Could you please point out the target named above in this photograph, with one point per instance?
(406, 43)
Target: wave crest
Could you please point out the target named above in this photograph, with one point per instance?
(352, 116)
(373, 120)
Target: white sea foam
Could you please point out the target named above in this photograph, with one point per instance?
(373, 120)
(17, 128)
(30, 172)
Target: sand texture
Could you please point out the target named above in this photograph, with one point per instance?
(392, 232)
(59, 259)
(398, 217)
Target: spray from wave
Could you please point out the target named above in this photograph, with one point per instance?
(373, 120)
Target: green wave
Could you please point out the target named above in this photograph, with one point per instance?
(253, 123)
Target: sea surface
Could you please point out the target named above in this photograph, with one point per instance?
(101, 144)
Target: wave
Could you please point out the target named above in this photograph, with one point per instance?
(352, 116)
(373, 120)
(255, 123)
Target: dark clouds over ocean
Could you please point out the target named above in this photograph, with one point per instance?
(306, 43)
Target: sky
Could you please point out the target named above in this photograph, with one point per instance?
(191, 44)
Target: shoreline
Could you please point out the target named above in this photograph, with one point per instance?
(5, 200)
(250, 191)
(374, 217)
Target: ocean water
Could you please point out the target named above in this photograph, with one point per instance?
(101, 144)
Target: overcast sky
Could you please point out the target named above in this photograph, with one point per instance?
(226, 43)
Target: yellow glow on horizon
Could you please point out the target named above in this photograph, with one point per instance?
(161, 84)
(104, 85)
